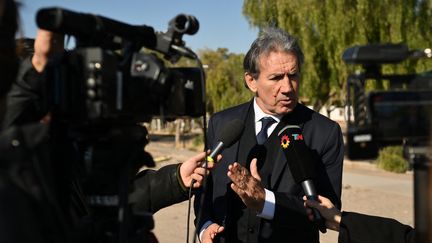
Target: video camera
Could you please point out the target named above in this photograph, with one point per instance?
(399, 115)
(379, 118)
(107, 79)
(99, 91)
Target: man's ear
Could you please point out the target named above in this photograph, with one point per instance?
(250, 82)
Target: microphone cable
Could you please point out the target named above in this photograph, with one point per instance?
(185, 51)
(201, 203)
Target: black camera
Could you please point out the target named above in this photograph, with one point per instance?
(97, 94)
(379, 118)
(400, 115)
(107, 79)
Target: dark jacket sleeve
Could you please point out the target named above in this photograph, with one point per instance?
(156, 189)
(360, 228)
(332, 156)
(25, 102)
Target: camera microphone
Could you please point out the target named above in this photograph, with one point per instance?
(230, 133)
(300, 162)
(90, 26)
(96, 30)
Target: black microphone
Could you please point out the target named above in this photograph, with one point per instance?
(229, 134)
(300, 162)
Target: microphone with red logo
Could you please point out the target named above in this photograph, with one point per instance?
(301, 164)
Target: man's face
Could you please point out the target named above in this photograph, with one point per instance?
(276, 88)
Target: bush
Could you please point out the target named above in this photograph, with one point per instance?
(391, 159)
(197, 143)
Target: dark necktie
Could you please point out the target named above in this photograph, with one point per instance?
(262, 135)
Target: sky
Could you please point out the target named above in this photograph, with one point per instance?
(221, 22)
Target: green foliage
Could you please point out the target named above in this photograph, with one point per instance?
(197, 143)
(224, 79)
(326, 28)
(391, 159)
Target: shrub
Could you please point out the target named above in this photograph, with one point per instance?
(391, 159)
(197, 143)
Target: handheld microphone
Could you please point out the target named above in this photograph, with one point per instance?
(230, 133)
(301, 164)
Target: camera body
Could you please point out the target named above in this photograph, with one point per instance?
(91, 85)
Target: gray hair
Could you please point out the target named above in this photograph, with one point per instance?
(270, 39)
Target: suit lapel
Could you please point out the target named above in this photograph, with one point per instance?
(231, 154)
(247, 140)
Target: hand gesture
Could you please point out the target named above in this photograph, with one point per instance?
(247, 185)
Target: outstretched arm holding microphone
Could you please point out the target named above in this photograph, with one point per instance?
(360, 228)
(156, 189)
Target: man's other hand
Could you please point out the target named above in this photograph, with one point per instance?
(210, 232)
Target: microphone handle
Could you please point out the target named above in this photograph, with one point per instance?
(309, 189)
(216, 150)
(212, 156)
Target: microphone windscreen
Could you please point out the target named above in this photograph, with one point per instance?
(299, 156)
(231, 132)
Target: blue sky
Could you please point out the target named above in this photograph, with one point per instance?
(221, 22)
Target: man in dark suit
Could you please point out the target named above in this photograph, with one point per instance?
(237, 207)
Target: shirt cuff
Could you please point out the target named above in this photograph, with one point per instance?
(204, 227)
(269, 205)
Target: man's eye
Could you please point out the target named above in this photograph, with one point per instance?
(293, 75)
(276, 78)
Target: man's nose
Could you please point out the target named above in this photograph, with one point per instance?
(285, 84)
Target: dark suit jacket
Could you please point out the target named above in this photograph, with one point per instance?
(290, 223)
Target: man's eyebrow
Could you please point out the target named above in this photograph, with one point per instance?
(272, 75)
(291, 72)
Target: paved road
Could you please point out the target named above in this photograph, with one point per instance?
(365, 189)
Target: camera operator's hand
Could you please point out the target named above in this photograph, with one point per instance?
(210, 232)
(46, 45)
(331, 214)
(192, 170)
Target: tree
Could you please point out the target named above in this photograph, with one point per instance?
(224, 79)
(327, 27)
